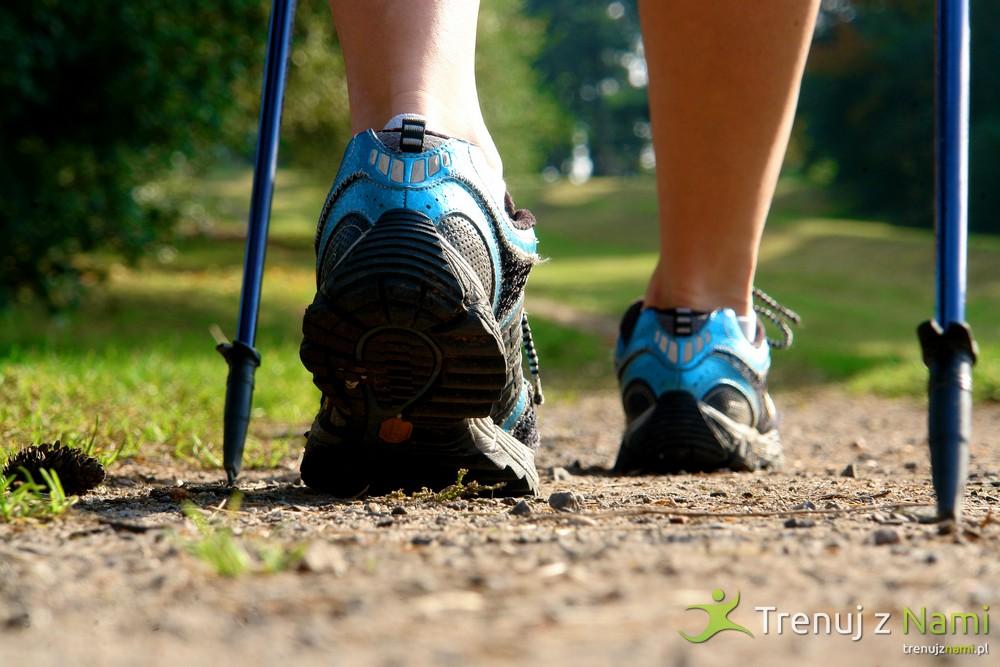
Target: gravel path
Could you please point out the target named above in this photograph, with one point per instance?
(386, 581)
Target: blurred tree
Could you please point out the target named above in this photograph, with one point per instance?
(867, 109)
(591, 57)
(522, 113)
(99, 98)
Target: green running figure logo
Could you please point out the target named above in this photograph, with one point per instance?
(718, 617)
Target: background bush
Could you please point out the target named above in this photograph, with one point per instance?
(102, 101)
(867, 111)
(99, 98)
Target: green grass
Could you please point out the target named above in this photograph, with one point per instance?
(227, 555)
(134, 366)
(861, 287)
(33, 500)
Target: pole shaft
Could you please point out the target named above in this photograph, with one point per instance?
(240, 355)
(278, 46)
(952, 163)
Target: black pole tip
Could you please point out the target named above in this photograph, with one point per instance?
(947, 526)
(243, 361)
(949, 353)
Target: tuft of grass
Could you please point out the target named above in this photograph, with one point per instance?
(33, 501)
(216, 545)
(457, 491)
(106, 455)
(273, 558)
(230, 556)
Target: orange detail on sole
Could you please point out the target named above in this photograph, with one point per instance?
(395, 430)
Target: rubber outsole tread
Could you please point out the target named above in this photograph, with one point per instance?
(678, 434)
(399, 334)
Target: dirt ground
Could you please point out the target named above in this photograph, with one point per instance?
(468, 582)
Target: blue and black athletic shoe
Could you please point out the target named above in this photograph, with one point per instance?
(694, 389)
(416, 331)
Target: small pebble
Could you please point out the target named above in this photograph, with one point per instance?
(561, 474)
(911, 465)
(718, 494)
(421, 540)
(522, 508)
(566, 501)
(886, 536)
(678, 519)
(322, 557)
(384, 522)
(19, 620)
(799, 523)
(373, 508)
(807, 505)
(399, 510)
(850, 470)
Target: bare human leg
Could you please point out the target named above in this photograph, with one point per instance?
(723, 84)
(414, 56)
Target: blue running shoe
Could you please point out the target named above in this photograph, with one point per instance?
(415, 333)
(694, 390)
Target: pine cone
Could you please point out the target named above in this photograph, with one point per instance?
(77, 472)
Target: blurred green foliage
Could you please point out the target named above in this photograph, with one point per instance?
(865, 121)
(522, 113)
(97, 99)
(591, 58)
(866, 117)
(103, 102)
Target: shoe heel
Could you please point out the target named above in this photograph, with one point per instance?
(679, 433)
(402, 335)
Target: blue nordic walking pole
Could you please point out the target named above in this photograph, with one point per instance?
(949, 349)
(240, 355)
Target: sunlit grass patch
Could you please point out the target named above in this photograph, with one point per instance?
(229, 555)
(31, 500)
(134, 369)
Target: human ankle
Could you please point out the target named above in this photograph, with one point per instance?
(701, 299)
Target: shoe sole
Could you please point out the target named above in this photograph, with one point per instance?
(402, 334)
(681, 434)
